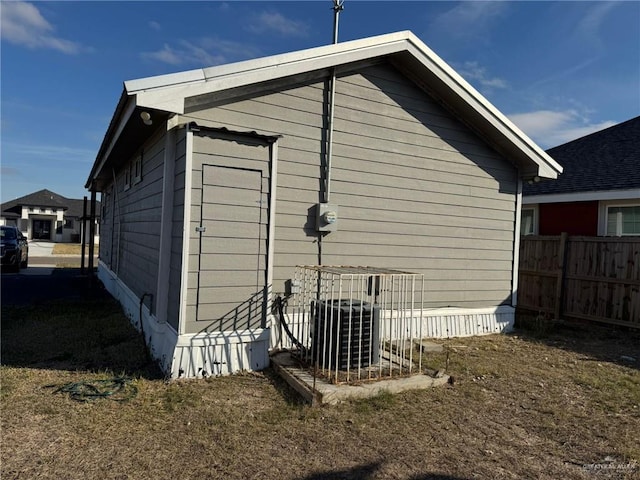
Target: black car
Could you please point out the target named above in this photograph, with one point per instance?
(15, 248)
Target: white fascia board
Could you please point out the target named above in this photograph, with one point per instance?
(165, 100)
(583, 196)
(171, 98)
(313, 55)
(547, 166)
(168, 92)
(162, 81)
(122, 121)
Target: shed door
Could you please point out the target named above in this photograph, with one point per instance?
(233, 249)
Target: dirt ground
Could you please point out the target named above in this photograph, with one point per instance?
(549, 403)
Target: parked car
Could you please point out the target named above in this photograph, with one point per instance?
(14, 248)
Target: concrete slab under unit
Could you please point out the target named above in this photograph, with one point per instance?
(299, 378)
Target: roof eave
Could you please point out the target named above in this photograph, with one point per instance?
(167, 93)
(126, 128)
(485, 119)
(118, 121)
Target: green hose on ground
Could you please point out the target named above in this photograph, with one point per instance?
(119, 389)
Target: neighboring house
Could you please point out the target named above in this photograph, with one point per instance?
(598, 194)
(45, 215)
(213, 182)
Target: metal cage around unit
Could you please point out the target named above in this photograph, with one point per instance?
(351, 324)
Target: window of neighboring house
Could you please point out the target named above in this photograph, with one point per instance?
(527, 221)
(623, 220)
(127, 177)
(137, 170)
(58, 226)
(69, 223)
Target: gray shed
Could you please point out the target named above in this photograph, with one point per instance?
(214, 182)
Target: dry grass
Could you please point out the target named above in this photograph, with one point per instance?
(67, 249)
(564, 405)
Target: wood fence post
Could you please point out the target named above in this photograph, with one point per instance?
(562, 270)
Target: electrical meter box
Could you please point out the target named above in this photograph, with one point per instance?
(326, 217)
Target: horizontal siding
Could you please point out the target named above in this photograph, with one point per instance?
(416, 189)
(140, 209)
(130, 238)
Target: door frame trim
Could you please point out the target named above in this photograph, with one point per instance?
(271, 141)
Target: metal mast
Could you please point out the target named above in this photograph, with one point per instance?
(338, 6)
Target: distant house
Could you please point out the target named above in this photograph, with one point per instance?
(45, 215)
(598, 194)
(216, 183)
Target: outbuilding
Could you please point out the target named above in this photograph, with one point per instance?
(216, 183)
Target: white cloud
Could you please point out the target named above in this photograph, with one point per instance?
(186, 53)
(229, 48)
(52, 152)
(206, 52)
(588, 29)
(550, 128)
(266, 22)
(155, 25)
(165, 55)
(476, 74)
(23, 24)
(469, 19)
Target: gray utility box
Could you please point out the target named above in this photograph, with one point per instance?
(326, 217)
(345, 334)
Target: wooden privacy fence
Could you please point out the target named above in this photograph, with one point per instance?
(590, 278)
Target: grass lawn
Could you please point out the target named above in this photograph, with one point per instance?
(72, 249)
(67, 249)
(563, 405)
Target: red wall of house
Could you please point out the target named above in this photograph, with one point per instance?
(575, 218)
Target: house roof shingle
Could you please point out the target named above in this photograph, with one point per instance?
(44, 198)
(605, 160)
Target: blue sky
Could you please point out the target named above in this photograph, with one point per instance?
(559, 70)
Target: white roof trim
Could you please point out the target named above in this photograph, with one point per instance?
(168, 92)
(277, 65)
(583, 196)
(109, 142)
(465, 90)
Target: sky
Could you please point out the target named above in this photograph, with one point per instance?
(558, 70)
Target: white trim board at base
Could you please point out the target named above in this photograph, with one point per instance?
(160, 338)
(221, 353)
(436, 323)
(466, 322)
(190, 355)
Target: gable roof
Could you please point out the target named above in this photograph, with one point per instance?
(604, 161)
(165, 95)
(44, 199)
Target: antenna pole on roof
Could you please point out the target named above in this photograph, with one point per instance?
(338, 6)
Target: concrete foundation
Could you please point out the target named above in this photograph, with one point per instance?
(318, 391)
